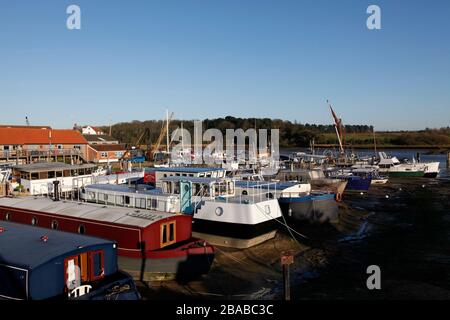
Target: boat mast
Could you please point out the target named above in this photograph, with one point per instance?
(338, 128)
(374, 141)
(167, 131)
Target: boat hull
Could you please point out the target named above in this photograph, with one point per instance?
(430, 175)
(312, 208)
(184, 262)
(234, 235)
(358, 184)
(400, 174)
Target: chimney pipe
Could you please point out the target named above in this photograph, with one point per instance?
(55, 190)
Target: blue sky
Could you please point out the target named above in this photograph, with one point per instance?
(204, 59)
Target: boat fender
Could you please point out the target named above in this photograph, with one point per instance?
(338, 197)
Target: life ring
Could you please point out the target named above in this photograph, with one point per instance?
(338, 197)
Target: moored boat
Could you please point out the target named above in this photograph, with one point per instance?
(151, 244)
(72, 266)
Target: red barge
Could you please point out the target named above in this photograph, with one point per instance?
(152, 245)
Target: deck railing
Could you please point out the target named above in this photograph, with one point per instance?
(11, 154)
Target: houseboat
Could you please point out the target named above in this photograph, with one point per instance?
(220, 216)
(297, 201)
(151, 244)
(73, 267)
(38, 178)
(317, 178)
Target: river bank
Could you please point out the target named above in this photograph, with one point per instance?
(403, 227)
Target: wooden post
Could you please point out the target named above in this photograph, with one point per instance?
(287, 258)
(448, 159)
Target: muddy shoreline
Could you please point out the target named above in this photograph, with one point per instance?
(403, 227)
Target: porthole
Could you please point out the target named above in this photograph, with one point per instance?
(34, 221)
(8, 216)
(244, 193)
(81, 229)
(219, 211)
(55, 225)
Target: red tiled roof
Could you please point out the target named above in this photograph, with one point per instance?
(22, 136)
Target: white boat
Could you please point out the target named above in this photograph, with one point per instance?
(220, 216)
(395, 168)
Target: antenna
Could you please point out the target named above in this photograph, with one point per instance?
(27, 121)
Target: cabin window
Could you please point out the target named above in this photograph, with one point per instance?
(82, 268)
(34, 175)
(127, 200)
(51, 174)
(97, 265)
(81, 229)
(34, 221)
(59, 174)
(66, 173)
(168, 233)
(176, 188)
(55, 225)
(119, 200)
(152, 203)
(140, 203)
(230, 188)
(102, 197)
(104, 154)
(43, 175)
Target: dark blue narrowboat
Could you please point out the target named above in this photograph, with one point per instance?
(38, 264)
(358, 183)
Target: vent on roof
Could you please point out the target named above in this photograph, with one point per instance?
(144, 215)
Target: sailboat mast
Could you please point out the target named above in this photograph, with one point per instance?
(374, 141)
(167, 131)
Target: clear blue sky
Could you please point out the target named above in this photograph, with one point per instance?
(276, 59)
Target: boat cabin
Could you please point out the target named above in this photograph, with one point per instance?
(69, 265)
(137, 196)
(133, 229)
(154, 175)
(37, 178)
(198, 187)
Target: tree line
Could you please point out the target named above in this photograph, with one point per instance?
(292, 134)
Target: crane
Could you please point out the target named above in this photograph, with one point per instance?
(164, 131)
(138, 141)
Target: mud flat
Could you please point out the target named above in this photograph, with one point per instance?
(403, 227)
